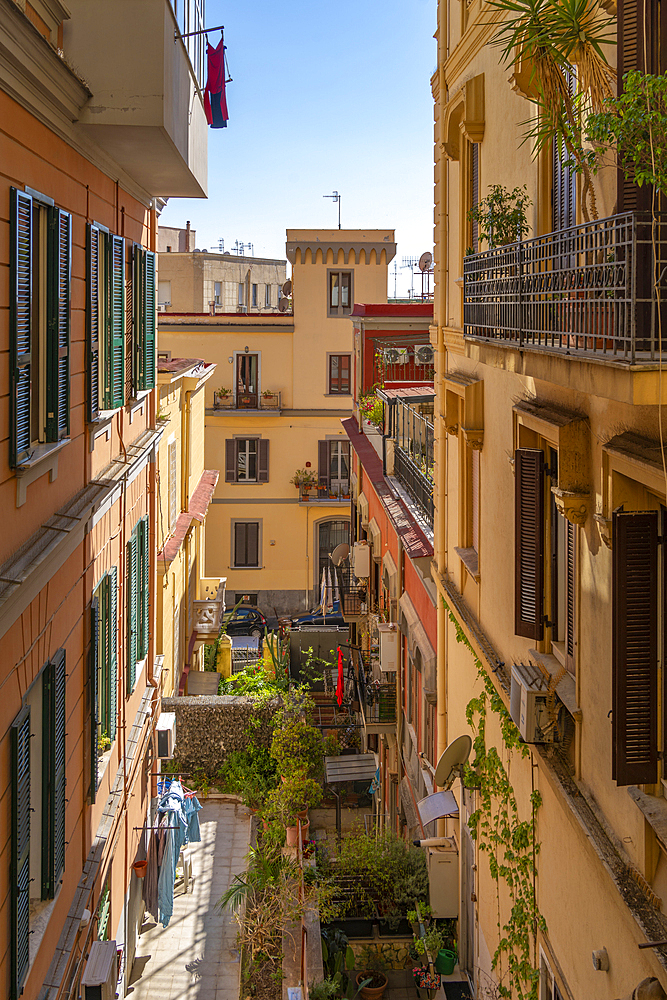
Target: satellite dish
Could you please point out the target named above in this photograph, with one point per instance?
(425, 261)
(340, 553)
(452, 759)
(283, 305)
(287, 287)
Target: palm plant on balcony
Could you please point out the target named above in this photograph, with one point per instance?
(562, 44)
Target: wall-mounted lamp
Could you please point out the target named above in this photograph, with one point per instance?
(247, 349)
(231, 360)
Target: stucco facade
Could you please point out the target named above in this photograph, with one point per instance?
(80, 676)
(200, 281)
(267, 536)
(568, 398)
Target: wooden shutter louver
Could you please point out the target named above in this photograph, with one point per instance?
(230, 460)
(138, 312)
(132, 619)
(93, 321)
(635, 647)
(113, 652)
(570, 595)
(145, 565)
(252, 541)
(19, 875)
(131, 372)
(20, 324)
(323, 464)
(263, 464)
(93, 668)
(529, 542)
(53, 774)
(115, 338)
(148, 359)
(474, 193)
(58, 324)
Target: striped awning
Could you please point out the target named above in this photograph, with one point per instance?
(350, 767)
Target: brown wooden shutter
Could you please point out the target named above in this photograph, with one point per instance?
(94, 263)
(344, 373)
(529, 542)
(263, 466)
(474, 500)
(570, 594)
(59, 280)
(323, 464)
(230, 460)
(474, 191)
(20, 325)
(252, 542)
(635, 647)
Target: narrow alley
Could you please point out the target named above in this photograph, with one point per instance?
(195, 957)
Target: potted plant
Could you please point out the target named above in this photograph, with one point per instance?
(222, 397)
(269, 399)
(427, 983)
(501, 216)
(290, 802)
(304, 480)
(374, 966)
(297, 747)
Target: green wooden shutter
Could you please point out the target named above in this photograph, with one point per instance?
(113, 653)
(115, 324)
(20, 324)
(59, 281)
(138, 316)
(145, 587)
(93, 276)
(132, 623)
(635, 647)
(529, 542)
(53, 774)
(19, 876)
(93, 667)
(148, 366)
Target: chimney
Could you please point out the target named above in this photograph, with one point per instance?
(187, 236)
(211, 307)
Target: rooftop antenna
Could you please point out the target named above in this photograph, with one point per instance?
(336, 198)
(410, 262)
(221, 245)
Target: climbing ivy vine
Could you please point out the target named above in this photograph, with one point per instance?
(509, 842)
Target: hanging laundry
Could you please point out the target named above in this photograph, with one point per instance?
(191, 809)
(165, 887)
(151, 880)
(339, 686)
(215, 101)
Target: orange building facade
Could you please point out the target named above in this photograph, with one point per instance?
(79, 437)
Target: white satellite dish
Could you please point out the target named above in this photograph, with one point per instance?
(340, 553)
(452, 760)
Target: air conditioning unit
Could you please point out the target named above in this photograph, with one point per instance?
(162, 306)
(423, 354)
(443, 882)
(396, 355)
(528, 703)
(389, 647)
(100, 977)
(166, 734)
(361, 560)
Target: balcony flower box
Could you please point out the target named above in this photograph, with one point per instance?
(270, 400)
(223, 398)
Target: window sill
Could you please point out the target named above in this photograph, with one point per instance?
(566, 688)
(136, 403)
(247, 567)
(654, 810)
(100, 426)
(44, 459)
(337, 393)
(103, 763)
(470, 559)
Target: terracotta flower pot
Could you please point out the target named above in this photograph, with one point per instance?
(292, 836)
(371, 992)
(140, 868)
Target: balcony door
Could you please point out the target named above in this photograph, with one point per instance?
(247, 372)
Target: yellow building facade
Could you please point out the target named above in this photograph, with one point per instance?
(189, 605)
(282, 386)
(550, 493)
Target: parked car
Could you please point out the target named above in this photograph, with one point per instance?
(317, 617)
(244, 621)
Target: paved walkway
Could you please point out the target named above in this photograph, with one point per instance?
(195, 957)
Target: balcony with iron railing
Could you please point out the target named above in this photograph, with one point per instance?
(353, 595)
(413, 453)
(377, 700)
(587, 291)
(325, 492)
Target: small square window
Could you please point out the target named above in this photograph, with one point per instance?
(241, 293)
(340, 293)
(339, 374)
(218, 293)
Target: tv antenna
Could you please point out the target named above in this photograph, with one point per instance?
(336, 199)
(411, 262)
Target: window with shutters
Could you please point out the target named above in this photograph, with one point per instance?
(247, 460)
(145, 319)
(340, 293)
(39, 323)
(137, 590)
(339, 374)
(106, 596)
(246, 544)
(38, 757)
(545, 557)
(334, 467)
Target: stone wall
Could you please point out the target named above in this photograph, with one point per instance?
(208, 728)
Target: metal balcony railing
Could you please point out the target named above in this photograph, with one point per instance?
(588, 290)
(418, 485)
(353, 594)
(378, 698)
(325, 493)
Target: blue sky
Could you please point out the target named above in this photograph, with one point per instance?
(324, 97)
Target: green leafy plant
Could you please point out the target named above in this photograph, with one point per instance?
(223, 392)
(103, 743)
(297, 747)
(294, 795)
(304, 478)
(374, 965)
(434, 941)
(501, 216)
(634, 125)
(509, 842)
(558, 47)
(371, 408)
(251, 773)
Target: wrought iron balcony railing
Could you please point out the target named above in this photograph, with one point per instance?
(418, 485)
(353, 594)
(377, 697)
(588, 290)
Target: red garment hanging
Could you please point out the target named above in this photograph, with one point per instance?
(215, 100)
(339, 686)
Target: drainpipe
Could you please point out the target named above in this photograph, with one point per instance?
(399, 672)
(186, 424)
